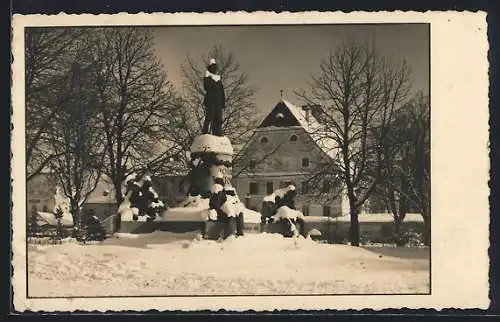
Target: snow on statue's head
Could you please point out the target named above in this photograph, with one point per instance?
(212, 66)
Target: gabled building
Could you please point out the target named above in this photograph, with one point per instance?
(286, 148)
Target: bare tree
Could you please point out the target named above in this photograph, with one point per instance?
(239, 115)
(137, 105)
(48, 57)
(359, 91)
(406, 163)
(76, 140)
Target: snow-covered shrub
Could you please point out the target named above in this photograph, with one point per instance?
(92, 228)
(413, 238)
(140, 200)
(58, 214)
(280, 197)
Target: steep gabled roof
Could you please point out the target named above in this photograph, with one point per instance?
(310, 124)
(280, 116)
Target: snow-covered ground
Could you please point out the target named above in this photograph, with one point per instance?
(180, 264)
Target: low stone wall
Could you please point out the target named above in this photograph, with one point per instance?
(375, 232)
(331, 231)
(338, 231)
(136, 227)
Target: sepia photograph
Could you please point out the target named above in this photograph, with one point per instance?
(237, 160)
(228, 160)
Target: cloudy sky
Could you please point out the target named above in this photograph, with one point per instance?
(284, 57)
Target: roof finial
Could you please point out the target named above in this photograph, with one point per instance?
(282, 93)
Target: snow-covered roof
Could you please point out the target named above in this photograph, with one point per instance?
(50, 218)
(314, 128)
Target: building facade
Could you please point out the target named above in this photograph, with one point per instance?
(172, 189)
(40, 192)
(40, 196)
(281, 152)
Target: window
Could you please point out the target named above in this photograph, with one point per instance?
(294, 138)
(252, 164)
(269, 187)
(305, 210)
(304, 187)
(264, 140)
(45, 208)
(326, 211)
(305, 162)
(254, 188)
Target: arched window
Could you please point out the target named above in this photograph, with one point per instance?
(294, 138)
(264, 139)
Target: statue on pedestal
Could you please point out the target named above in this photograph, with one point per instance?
(214, 101)
(211, 158)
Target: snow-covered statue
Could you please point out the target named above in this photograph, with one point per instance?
(211, 195)
(140, 200)
(214, 101)
(226, 208)
(280, 207)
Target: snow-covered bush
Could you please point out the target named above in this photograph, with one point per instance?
(280, 197)
(413, 238)
(141, 200)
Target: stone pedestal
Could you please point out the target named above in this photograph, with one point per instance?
(212, 157)
(211, 160)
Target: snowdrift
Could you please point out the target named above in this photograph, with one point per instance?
(162, 263)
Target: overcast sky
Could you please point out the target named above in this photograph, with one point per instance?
(284, 57)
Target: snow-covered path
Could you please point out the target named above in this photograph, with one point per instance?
(265, 264)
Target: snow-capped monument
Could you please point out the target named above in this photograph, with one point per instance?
(211, 196)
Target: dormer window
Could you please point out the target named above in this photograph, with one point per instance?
(294, 138)
(264, 140)
(252, 164)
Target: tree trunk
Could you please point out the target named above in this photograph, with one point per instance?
(119, 200)
(75, 213)
(354, 229)
(427, 228)
(398, 238)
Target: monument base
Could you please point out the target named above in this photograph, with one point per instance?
(210, 175)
